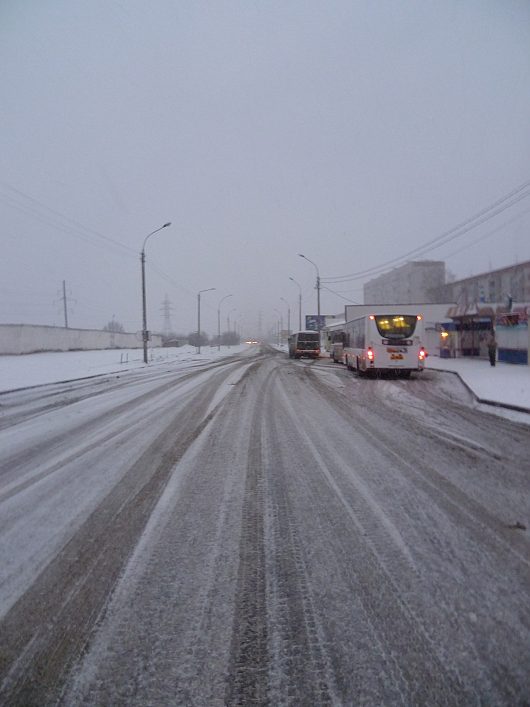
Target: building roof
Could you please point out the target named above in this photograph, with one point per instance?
(461, 311)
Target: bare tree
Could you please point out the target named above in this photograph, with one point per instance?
(114, 326)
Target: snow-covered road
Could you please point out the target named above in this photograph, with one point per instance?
(261, 531)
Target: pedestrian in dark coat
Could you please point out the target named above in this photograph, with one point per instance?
(492, 349)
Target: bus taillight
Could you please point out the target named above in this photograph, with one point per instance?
(422, 354)
(370, 355)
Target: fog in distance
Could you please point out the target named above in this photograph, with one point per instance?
(350, 132)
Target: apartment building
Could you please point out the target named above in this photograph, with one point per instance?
(412, 282)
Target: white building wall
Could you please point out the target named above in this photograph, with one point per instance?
(29, 338)
(409, 283)
(494, 286)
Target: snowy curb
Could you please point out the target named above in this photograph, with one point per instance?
(484, 401)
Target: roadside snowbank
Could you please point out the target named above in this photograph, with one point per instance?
(505, 383)
(29, 370)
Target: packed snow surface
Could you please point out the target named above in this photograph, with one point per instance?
(247, 529)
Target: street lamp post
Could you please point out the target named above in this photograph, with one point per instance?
(280, 325)
(219, 321)
(288, 316)
(239, 328)
(199, 316)
(145, 333)
(317, 287)
(228, 318)
(299, 303)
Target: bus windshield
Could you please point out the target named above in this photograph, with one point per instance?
(308, 336)
(396, 326)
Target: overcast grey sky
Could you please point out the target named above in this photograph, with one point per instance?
(350, 131)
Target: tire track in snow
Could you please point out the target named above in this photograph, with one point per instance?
(301, 668)
(247, 681)
(48, 627)
(87, 428)
(26, 403)
(172, 608)
(418, 673)
(277, 655)
(454, 500)
(505, 551)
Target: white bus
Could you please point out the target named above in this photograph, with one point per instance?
(334, 341)
(385, 342)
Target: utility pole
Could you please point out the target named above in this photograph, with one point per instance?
(209, 289)
(317, 287)
(299, 303)
(65, 305)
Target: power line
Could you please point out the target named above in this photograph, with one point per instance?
(485, 214)
(42, 212)
(489, 234)
(346, 299)
(176, 284)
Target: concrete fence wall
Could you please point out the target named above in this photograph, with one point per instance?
(29, 338)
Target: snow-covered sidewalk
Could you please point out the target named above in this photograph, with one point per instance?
(29, 370)
(505, 384)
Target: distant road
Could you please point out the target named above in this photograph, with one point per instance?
(258, 530)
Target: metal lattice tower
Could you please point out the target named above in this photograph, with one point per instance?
(166, 311)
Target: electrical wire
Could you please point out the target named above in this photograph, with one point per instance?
(346, 299)
(507, 201)
(489, 234)
(51, 217)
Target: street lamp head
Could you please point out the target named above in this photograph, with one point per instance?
(296, 283)
(152, 234)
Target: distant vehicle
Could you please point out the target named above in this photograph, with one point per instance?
(385, 342)
(251, 341)
(304, 343)
(334, 341)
